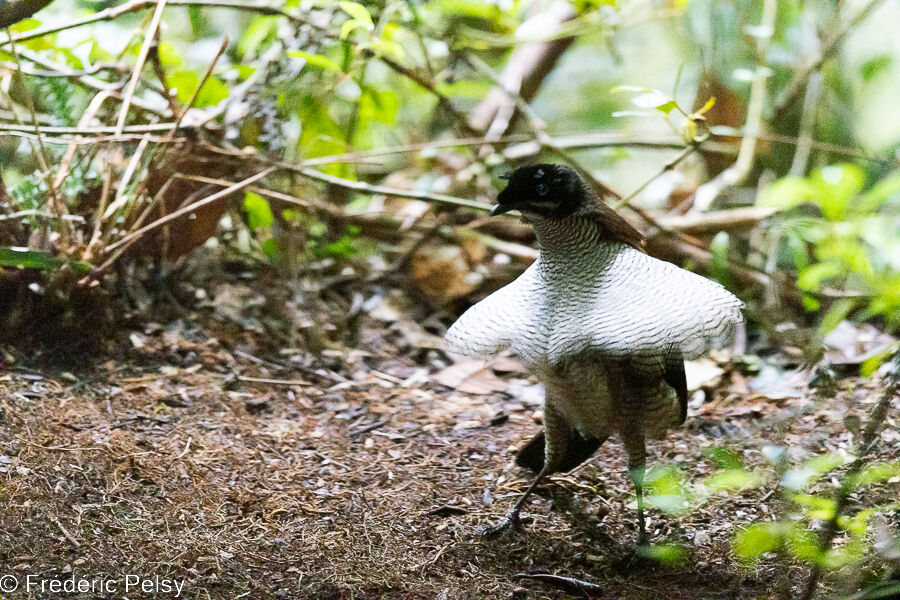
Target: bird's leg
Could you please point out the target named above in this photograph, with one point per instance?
(556, 446)
(637, 477)
(637, 460)
(512, 518)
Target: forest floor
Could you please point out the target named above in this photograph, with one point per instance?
(196, 457)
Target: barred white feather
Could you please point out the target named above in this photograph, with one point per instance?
(585, 295)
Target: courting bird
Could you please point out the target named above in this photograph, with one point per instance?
(605, 327)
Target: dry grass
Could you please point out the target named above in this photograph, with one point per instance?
(162, 463)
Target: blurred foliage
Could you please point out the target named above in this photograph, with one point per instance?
(835, 232)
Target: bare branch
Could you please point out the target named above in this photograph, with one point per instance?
(19, 10)
(736, 173)
(800, 80)
(525, 70)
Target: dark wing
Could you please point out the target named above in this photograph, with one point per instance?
(674, 376)
(579, 449)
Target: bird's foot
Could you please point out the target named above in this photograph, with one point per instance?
(643, 541)
(510, 523)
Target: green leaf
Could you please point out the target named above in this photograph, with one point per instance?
(837, 313)
(725, 458)
(22, 258)
(787, 193)
(812, 276)
(185, 84)
(733, 479)
(168, 55)
(877, 473)
(666, 489)
(383, 46)
(25, 25)
(804, 544)
(719, 267)
(667, 554)
(360, 18)
(358, 12)
(872, 67)
(653, 99)
(270, 248)
(259, 213)
(881, 192)
(816, 507)
(800, 477)
(259, 29)
(836, 185)
(316, 60)
(347, 28)
(758, 539)
(873, 363)
(378, 105)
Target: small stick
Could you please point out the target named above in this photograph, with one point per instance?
(138, 67)
(66, 533)
(568, 584)
(187, 448)
(273, 381)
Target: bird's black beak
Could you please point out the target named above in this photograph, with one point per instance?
(499, 209)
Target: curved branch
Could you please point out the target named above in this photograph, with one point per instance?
(13, 12)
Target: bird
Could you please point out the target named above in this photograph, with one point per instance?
(605, 327)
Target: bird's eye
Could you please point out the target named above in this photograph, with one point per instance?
(542, 189)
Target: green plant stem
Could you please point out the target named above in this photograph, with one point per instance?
(870, 438)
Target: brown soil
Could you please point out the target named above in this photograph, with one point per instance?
(361, 482)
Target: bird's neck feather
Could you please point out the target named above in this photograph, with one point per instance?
(577, 235)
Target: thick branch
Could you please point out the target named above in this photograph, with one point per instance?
(524, 72)
(15, 11)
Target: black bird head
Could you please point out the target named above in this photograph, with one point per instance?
(556, 192)
(546, 190)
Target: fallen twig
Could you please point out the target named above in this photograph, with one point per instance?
(561, 582)
(273, 381)
(66, 533)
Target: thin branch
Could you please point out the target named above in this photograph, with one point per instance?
(736, 173)
(731, 219)
(138, 130)
(524, 71)
(807, 125)
(724, 131)
(537, 125)
(57, 205)
(366, 188)
(86, 81)
(123, 243)
(669, 166)
(427, 85)
(565, 583)
(869, 439)
(149, 38)
(115, 12)
(196, 94)
(800, 80)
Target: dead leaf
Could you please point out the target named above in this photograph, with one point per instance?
(470, 376)
(702, 373)
(443, 273)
